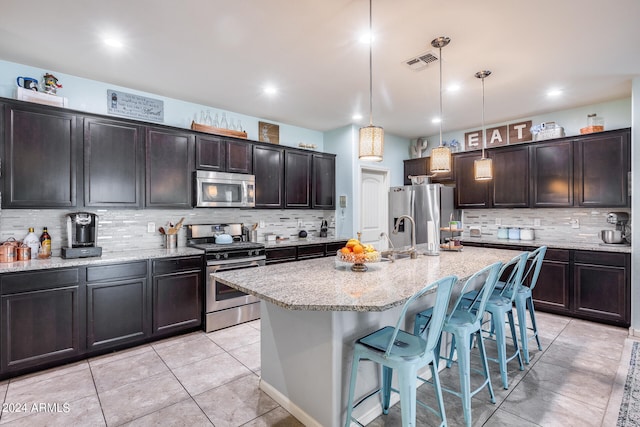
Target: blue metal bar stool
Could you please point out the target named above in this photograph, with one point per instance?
(499, 305)
(524, 301)
(393, 348)
(463, 322)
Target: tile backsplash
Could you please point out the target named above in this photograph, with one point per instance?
(120, 230)
(555, 224)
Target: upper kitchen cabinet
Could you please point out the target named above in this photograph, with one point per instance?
(602, 164)
(469, 193)
(169, 168)
(297, 175)
(217, 153)
(41, 152)
(551, 174)
(113, 163)
(510, 186)
(422, 166)
(268, 168)
(323, 189)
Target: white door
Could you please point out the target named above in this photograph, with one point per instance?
(374, 205)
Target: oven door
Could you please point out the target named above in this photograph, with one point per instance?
(220, 296)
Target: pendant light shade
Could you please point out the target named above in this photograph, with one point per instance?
(483, 168)
(440, 156)
(371, 142)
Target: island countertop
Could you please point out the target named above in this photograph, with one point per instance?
(323, 285)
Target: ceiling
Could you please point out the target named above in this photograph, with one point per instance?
(222, 53)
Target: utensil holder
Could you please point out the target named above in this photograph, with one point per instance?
(170, 241)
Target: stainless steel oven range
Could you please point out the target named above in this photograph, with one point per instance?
(225, 306)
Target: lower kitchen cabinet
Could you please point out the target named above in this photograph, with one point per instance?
(302, 252)
(279, 255)
(177, 289)
(42, 318)
(117, 309)
(311, 251)
(553, 291)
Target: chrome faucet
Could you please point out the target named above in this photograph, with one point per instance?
(412, 250)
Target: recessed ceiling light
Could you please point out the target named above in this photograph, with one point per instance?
(435, 120)
(113, 42)
(356, 117)
(270, 90)
(453, 87)
(554, 93)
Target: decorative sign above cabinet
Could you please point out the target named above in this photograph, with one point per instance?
(135, 106)
(513, 133)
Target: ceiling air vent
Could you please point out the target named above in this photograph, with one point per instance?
(421, 61)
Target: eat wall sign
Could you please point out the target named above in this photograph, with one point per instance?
(513, 133)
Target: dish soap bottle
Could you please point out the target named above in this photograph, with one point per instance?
(33, 242)
(45, 244)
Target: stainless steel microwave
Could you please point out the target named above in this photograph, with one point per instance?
(224, 190)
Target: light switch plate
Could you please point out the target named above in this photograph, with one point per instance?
(151, 227)
(536, 222)
(575, 223)
(498, 221)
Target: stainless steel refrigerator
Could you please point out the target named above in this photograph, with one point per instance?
(430, 205)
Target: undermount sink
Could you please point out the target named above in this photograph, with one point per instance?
(395, 255)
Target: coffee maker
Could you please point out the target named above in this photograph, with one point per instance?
(82, 236)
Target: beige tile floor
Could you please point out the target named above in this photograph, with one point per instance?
(203, 379)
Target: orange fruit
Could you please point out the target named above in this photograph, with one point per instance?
(345, 251)
(352, 242)
(357, 249)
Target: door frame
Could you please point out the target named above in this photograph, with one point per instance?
(357, 218)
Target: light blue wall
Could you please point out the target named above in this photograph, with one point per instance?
(91, 96)
(616, 114)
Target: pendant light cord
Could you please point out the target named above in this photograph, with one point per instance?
(484, 131)
(440, 97)
(370, 64)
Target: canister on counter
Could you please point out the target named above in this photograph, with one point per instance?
(514, 233)
(527, 233)
(503, 233)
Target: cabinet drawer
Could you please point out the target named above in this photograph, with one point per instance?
(281, 254)
(600, 258)
(334, 247)
(38, 280)
(117, 271)
(311, 251)
(557, 255)
(173, 265)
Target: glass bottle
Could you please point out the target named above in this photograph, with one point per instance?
(33, 242)
(45, 244)
(216, 121)
(232, 126)
(202, 117)
(223, 122)
(239, 125)
(207, 120)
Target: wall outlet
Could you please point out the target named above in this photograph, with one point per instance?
(498, 221)
(575, 223)
(536, 222)
(151, 227)
(299, 223)
(262, 224)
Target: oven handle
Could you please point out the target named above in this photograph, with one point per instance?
(232, 265)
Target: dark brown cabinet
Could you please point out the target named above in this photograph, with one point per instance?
(113, 163)
(117, 305)
(310, 251)
(422, 166)
(601, 164)
(41, 151)
(268, 168)
(280, 255)
(469, 193)
(552, 291)
(297, 175)
(42, 318)
(323, 184)
(552, 174)
(217, 153)
(177, 290)
(169, 168)
(510, 186)
(301, 252)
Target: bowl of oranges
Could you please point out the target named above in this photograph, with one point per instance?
(358, 254)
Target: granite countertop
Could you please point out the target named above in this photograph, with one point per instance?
(564, 244)
(302, 242)
(106, 258)
(325, 284)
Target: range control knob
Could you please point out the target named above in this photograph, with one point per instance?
(249, 253)
(226, 255)
(256, 252)
(217, 256)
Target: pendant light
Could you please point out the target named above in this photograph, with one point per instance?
(441, 155)
(483, 168)
(371, 145)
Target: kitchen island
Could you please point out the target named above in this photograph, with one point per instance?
(312, 311)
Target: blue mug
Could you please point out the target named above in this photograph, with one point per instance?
(27, 83)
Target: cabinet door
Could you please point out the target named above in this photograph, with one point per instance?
(323, 186)
(113, 163)
(239, 157)
(210, 153)
(268, 168)
(602, 164)
(170, 166)
(510, 177)
(602, 292)
(551, 174)
(280, 255)
(419, 166)
(469, 193)
(41, 154)
(177, 302)
(297, 174)
(552, 290)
